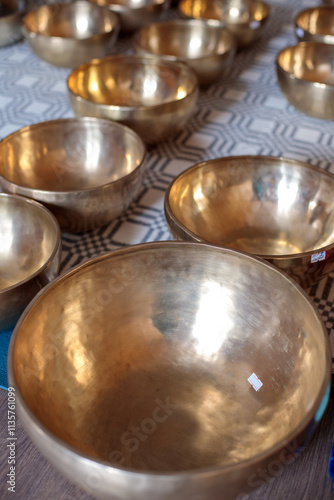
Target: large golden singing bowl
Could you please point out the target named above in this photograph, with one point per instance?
(134, 14)
(11, 14)
(86, 171)
(205, 46)
(245, 19)
(305, 74)
(30, 251)
(315, 24)
(170, 370)
(72, 33)
(279, 209)
(153, 97)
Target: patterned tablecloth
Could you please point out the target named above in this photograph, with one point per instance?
(244, 113)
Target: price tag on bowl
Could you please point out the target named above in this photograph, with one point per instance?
(316, 257)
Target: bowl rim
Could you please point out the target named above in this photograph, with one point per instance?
(57, 246)
(82, 119)
(169, 214)
(151, 60)
(304, 33)
(319, 404)
(266, 8)
(208, 24)
(310, 10)
(126, 8)
(28, 33)
(292, 76)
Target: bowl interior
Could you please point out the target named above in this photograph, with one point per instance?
(70, 155)
(318, 20)
(146, 358)
(184, 39)
(130, 82)
(79, 20)
(264, 206)
(161, 344)
(230, 11)
(312, 62)
(28, 236)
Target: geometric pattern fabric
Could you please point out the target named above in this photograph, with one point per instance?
(243, 113)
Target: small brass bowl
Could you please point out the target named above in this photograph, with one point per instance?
(245, 19)
(86, 171)
(305, 74)
(153, 97)
(315, 25)
(11, 14)
(275, 208)
(70, 34)
(170, 370)
(30, 251)
(134, 14)
(205, 46)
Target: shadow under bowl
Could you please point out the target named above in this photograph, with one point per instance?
(154, 97)
(170, 370)
(245, 19)
(30, 251)
(70, 34)
(275, 208)
(205, 46)
(87, 171)
(305, 74)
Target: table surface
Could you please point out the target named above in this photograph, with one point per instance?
(244, 113)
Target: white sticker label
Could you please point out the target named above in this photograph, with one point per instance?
(318, 256)
(255, 381)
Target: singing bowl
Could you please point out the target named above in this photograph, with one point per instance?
(245, 19)
(170, 370)
(275, 208)
(30, 251)
(205, 46)
(70, 34)
(305, 73)
(134, 14)
(154, 97)
(86, 171)
(11, 14)
(315, 25)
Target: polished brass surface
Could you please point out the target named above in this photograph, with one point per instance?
(205, 46)
(153, 97)
(305, 73)
(315, 25)
(276, 208)
(87, 171)
(11, 14)
(30, 251)
(245, 19)
(131, 371)
(134, 14)
(72, 33)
